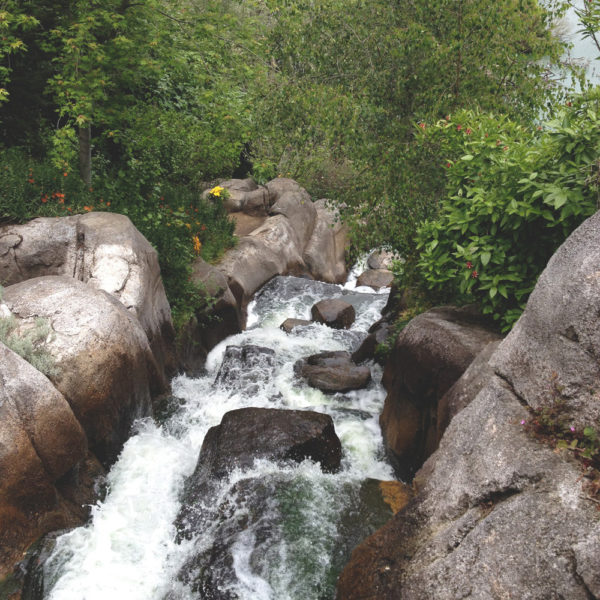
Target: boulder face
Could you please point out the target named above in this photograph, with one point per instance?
(40, 442)
(281, 435)
(103, 250)
(324, 255)
(245, 367)
(498, 513)
(333, 372)
(334, 313)
(429, 356)
(105, 368)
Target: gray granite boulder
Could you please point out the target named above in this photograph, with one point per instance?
(105, 251)
(498, 513)
(105, 368)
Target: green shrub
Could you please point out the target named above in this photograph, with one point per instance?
(513, 196)
(29, 344)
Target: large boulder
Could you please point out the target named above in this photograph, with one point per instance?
(463, 392)
(103, 250)
(245, 196)
(41, 441)
(300, 212)
(381, 259)
(334, 312)
(269, 251)
(246, 434)
(499, 513)
(218, 319)
(325, 252)
(104, 365)
(333, 372)
(429, 356)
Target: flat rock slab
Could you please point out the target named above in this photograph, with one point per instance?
(376, 278)
(334, 313)
(333, 372)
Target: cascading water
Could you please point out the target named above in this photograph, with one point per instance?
(298, 538)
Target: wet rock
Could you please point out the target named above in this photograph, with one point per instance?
(220, 318)
(289, 324)
(280, 435)
(245, 366)
(376, 279)
(428, 357)
(105, 368)
(261, 515)
(381, 259)
(333, 372)
(334, 313)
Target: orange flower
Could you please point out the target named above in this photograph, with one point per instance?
(44, 198)
(108, 204)
(197, 244)
(65, 174)
(88, 208)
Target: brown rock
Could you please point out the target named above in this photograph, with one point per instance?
(106, 370)
(289, 324)
(429, 355)
(40, 441)
(334, 313)
(324, 253)
(333, 372)
(376, 278)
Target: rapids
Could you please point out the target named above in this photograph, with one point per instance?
(129, 550)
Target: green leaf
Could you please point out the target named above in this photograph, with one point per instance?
(485, 258)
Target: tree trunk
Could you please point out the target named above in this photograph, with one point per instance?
(85, 154)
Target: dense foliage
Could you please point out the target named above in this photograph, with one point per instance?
(139, 106)
(513, 196)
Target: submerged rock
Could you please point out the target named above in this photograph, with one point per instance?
(245, 366)
(290, 324)
(333, 372)
(256, 517)
(334, 313)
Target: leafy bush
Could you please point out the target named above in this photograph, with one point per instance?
(513, 196)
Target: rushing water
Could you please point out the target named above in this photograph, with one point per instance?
(129, 549)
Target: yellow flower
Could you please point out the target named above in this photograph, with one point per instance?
(197, 244)
(188, 225)
(216, 191)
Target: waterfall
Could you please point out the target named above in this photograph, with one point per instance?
(130, 550)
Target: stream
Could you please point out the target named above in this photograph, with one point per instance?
(130, 549)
